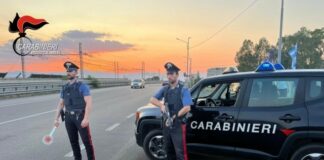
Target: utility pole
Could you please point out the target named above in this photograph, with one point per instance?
(81, 60)
(117, 69)
(188, 47)
(23, 67)
(22, 61)
(190, 60)
(143, 70)
(280, 32)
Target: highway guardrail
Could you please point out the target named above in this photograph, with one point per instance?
(29, 86)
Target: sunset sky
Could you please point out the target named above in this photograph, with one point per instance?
(136, 31)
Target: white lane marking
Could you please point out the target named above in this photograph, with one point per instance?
(16, 104)
(112, 127)
(123, 151)
(25, 117)
(130, 116)
(70, 154)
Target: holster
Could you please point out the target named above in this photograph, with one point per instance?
(62, 115)
(184, 119)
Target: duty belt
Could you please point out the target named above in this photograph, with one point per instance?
(73, 112)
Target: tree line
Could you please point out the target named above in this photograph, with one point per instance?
(310, 50)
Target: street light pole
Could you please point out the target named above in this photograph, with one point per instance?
(190, 62)
(188, 48)
(81, 60)
(188, 74)
(280, 32)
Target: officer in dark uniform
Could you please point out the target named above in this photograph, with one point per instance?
(177, 102)
(75, 97)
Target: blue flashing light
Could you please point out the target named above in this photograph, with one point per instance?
(279, 66)
(265, 67)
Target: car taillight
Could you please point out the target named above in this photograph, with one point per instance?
(137, 116)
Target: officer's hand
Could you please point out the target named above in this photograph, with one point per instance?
(85, 123)
(163, 108)
(56, 122)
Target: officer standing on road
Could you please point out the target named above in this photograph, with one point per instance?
(177, 101)
(75, 96)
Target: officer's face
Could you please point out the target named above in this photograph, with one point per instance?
(71, 74)
(172, 77)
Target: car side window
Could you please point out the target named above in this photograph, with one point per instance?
(273, 92)
(231, 91)
(218, 94)
(207, 90)
(315, 89)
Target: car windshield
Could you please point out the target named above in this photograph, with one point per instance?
(208, 90)
(137, 80)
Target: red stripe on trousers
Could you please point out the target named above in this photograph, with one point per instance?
(90, 140)
(184, 142)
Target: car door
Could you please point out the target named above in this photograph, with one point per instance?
(273, 109)
(315, 102)
(215, 110)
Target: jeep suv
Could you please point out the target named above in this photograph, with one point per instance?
(266, 114)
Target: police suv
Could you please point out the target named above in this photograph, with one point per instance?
(267, 114)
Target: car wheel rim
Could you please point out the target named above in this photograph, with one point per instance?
(156, 147)
(314, 156)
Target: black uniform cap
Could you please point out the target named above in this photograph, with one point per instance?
(170, 67)
(69, 66)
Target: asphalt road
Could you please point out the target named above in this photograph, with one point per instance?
(24, 121)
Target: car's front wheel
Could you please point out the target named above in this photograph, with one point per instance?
(309, 152)
(154, 145)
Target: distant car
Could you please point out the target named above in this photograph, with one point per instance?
(138, 83)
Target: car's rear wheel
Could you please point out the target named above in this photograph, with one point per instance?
(154, 145)
(309, 152)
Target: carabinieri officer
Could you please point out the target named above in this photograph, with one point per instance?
(177, 101)
(75, 96)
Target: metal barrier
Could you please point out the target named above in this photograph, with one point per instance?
(109, 82)
(28, 86)
(14, 88)
(17, 87)
(153, 82)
